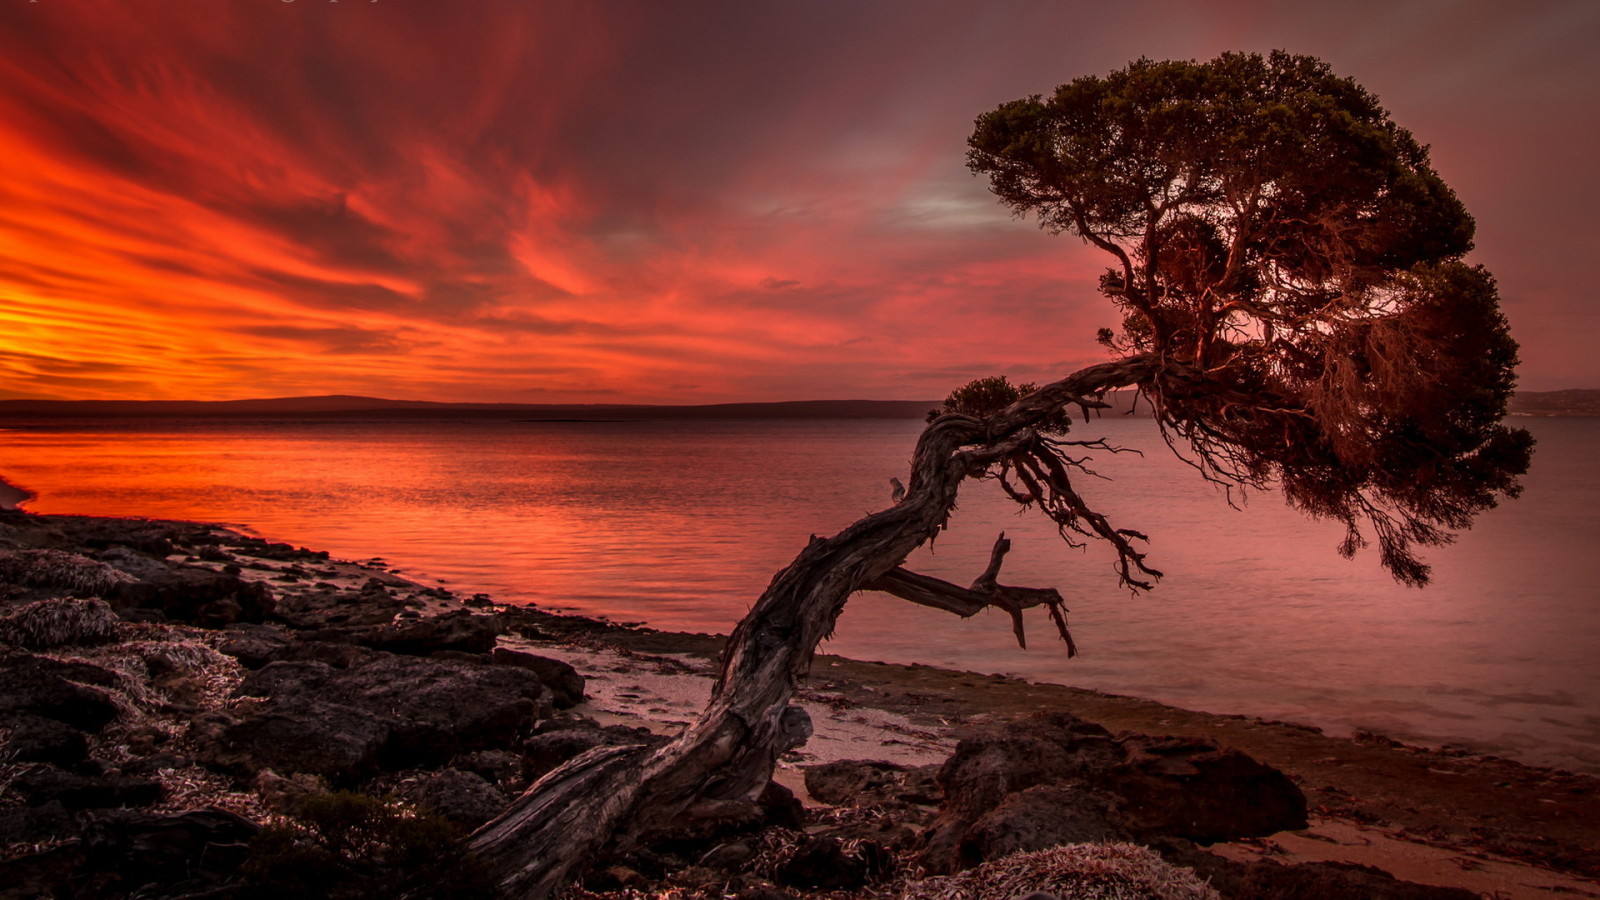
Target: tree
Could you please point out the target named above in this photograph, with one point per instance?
(1288, 268)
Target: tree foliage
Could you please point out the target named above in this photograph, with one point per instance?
(1292, 262)
(983, 397)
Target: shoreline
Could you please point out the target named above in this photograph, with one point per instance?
(1436, 817)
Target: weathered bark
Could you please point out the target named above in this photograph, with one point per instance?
(608, 798)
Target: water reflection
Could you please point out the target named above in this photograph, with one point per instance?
(682, 525)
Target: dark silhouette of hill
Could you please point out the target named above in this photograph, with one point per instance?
(345, 406)
(1579, 402)
(1536, 403)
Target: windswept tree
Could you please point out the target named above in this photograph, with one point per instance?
(1294, 308)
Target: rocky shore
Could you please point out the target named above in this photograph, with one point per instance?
(187, 711)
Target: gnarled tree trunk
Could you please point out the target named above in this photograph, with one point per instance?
(608, 797)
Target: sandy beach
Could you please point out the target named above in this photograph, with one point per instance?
(1487, 825)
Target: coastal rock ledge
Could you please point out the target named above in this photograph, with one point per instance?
(186, 711)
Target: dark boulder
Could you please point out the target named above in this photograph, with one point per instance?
(1043, 816)
(498, 767)
(65, 691)
(441, 707)
(151, 538)
(401, 712)
(1053, 779)
(286, 679)
(549, 749)
(337, 653)
(329, 607)
(193, 594)
(254, 645)
(460, 630)
(860, 782)
(564, 682)
(1037, 750)
(829, 864)
(299, 734)
(1176, 787)
(462, 798)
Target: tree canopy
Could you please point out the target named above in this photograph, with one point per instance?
(1292, 262)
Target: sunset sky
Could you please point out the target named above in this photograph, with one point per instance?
(652, 201)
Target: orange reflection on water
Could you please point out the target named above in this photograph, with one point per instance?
(577, 516)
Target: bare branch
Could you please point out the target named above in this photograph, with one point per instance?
(985, 591)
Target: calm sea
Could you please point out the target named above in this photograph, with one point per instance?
(681, 525)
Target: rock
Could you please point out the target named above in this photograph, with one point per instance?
(821, 863)
(729, 857)
(47, 784)
(188, 854)
(329, 607)
(283, 795)
(563, 680)
(37, 739)
(150, 538)
(855, 782)
(1037, 750)
(460, 797)
(300, 734)
(1053, 779)
(987, 767)
(613, 878)
(286, 679)
(254, 645)
(427, 711)
(442, 707)
(780, 808)
(1043, 816)
(543, 753)
(459, 630)
(1175, 787)
(339, 655)
(494, 766)
(192, 594)
(56, 690)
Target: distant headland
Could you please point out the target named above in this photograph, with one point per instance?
(1528, 403)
